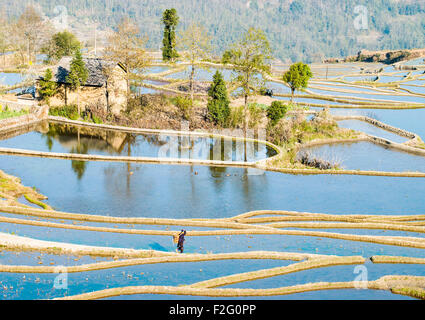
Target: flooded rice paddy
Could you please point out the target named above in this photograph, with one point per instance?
(190, 193)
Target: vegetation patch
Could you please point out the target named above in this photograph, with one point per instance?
(418, 293)
(6, 113)
(11, 189)
(36, 202)
(69, 112)
(293, 132)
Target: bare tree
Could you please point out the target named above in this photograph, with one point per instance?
(31, 32)
(196, 44)
(5, 43)
(127, 46)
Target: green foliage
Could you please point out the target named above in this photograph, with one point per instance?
(70, 112)
(227, 57)
(6, 113)
(92, 118)
(170, 19)
(249, 56)
(48, 88)
(78, 73)
(62, 44)
(297, 76)
(256, 114)
(184, 105)
(218, 104)
(276, 111)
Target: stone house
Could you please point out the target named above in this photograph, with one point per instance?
(106, 85)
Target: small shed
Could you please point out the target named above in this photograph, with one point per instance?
(106, 85)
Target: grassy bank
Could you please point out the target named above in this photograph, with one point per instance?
(6, 113)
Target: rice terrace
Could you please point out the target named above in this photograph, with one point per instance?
(192, 172)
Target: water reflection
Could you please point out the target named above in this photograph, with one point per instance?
(202, 192)
(65, 138)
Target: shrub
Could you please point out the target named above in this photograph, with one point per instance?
(281, 133)
(218, 112)
(70, 112)
(309, 160)
(276, 111)
(256, 113)
(236, 117)
(184, 105)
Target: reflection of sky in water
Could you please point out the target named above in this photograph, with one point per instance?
(360, 78)
(177, 192)
(415, 82)
(409, 119)
(155, 69)
(312, 101)
(387, 79)
(371, 129)
(368, 156)
(389, 97)
(188, 273)
(414, 89)
(10, 79)
(414, 62)
(330, 88)
(202, 74)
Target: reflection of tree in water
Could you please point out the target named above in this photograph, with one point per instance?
(218, 173)
(125, 143)
(79, 167)
(68, 136)
(51, 135)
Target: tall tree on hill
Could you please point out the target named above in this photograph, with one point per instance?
(170, 19)
(195, 43)
(250, 58)
(127, 46)
(78, 75)
(297, 77)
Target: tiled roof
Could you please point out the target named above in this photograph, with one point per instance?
(95, 66)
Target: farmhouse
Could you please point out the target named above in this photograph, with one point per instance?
(106, 85)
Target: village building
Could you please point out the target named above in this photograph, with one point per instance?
(106, 85)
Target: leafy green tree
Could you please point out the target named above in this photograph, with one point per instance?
(62, 44)
(276, 111)
(195, 43)
(170, 19)
(218, 104)
(250, 57)
(47, 87)
(78, 75)
(297, 77)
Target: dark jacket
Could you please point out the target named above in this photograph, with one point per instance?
(181, 239)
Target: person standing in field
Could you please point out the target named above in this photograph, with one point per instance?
(180, 244)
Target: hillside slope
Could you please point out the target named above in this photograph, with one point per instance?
(298, 29)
